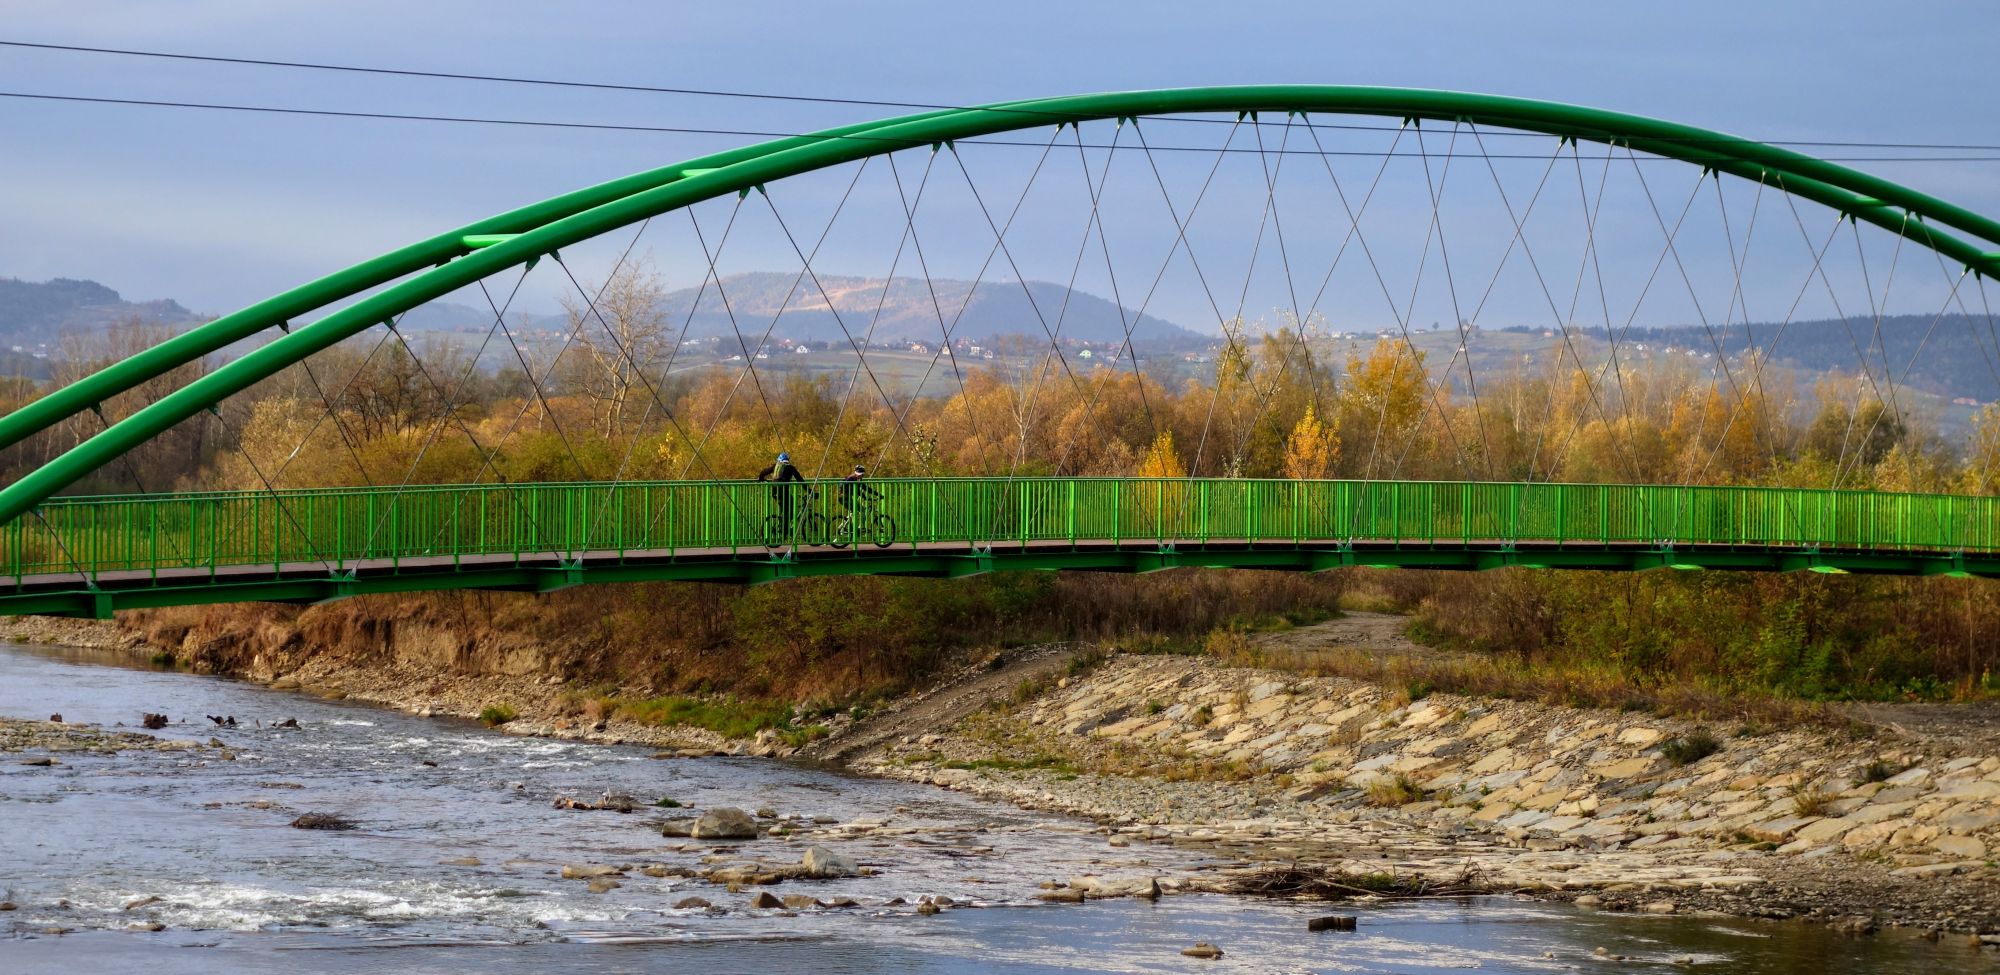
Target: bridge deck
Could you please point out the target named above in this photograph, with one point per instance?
(93, 555)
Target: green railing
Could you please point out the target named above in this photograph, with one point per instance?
(437, 527)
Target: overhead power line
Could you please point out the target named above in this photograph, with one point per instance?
(860, 137)
(825, 99)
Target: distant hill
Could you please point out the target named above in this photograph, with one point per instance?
(34, 314)
(1952, 356)
(908, 312)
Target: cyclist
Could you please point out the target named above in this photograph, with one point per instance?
(781, 475)
(851, 484)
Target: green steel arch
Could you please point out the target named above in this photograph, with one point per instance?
(464, 256)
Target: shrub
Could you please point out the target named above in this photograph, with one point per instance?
(1810, 801)
(801, 737)
(1203, 715)
(495, 715)
(1155, 706)
(1878, 771)
(1690, 748)
(1399, 791)
(1086, 661)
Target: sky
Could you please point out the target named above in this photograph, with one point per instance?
(220, 209)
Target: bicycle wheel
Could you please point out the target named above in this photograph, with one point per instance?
(775, 531)
(841, 532)
(884, 531)
(812, 528)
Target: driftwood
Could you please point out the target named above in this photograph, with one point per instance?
(333, 821)
(1326, 883)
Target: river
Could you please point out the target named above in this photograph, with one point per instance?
(241, 891)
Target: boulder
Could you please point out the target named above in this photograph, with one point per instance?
(766, 901)
(1334, 922)
(588, 871)
(724, 823)
(1202, 949)
(822, 862)
(691, 903)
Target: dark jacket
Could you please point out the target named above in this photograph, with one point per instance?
(781, 473)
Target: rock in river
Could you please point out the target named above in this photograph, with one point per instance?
(724, 823)
(1202, 949)
(822, 862)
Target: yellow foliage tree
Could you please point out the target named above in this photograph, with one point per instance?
(1382, 401)
(1162, 460)
(1311, 449)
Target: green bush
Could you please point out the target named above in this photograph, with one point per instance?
(495, 715)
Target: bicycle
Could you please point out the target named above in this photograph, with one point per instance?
(806, 525)
(861, 517)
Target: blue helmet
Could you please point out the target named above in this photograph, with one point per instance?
(784, 458)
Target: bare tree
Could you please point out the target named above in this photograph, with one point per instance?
(624, 339)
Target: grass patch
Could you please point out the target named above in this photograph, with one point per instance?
(1879, 771)
(801, 737)
(1203, 715)
(1041, 760)
(1163, 645)
(495, 715)
(1031, 688)
(1155, 706)
(665, 803)
(1399, 791)
(726, 716)
(1690, 748)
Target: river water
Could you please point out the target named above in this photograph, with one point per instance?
(240, 891)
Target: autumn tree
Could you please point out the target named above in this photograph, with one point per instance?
(1381, 404)
(1312, 448)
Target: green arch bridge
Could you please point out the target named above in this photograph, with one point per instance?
(92, 555)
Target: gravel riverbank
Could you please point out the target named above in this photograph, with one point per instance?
(1617, 810)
